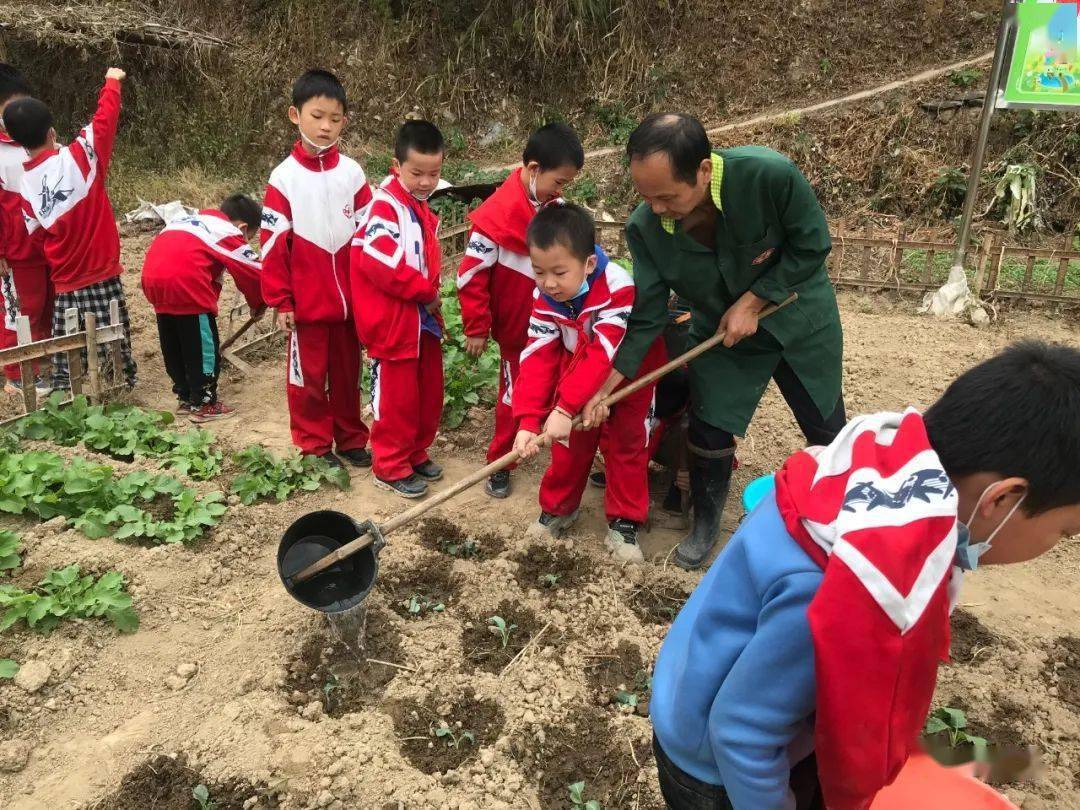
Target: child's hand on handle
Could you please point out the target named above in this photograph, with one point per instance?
(285, 321)
(526, 444)
(115, 73)
(475, 346)
(594, 414)
(434, 306)
(558, 426)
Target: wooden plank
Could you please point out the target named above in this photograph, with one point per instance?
(995, 267)
(1063, 265)
(74, 356)
(241, 365)
(46, 348)
(26, 368)
(1028, 270)
(928, 269)
(864, 269)
(898, 252)
(984, 260)
(114, 349)
(1040, 253)
(93, 366)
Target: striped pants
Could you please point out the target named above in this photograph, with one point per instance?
(189, 344)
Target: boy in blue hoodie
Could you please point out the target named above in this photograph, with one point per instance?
(800, 671)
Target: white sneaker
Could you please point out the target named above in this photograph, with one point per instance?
(550, 526)
(621, 540)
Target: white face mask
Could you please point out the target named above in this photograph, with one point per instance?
(318, 149)
(421, 197)
(532, 192)
(968, 553)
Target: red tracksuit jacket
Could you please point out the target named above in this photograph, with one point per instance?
(64, 193)
(395, 271)
(182, 271)
(310, 212)
(495, 280)
(571, 348)
(17, 245)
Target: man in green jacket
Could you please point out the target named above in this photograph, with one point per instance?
(730, 231)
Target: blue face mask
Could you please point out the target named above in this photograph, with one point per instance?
(968, 553)
(583, 289)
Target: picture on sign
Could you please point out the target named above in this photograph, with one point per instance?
(1045, 67)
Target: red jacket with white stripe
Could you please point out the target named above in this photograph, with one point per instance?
(396, 260)
(571, 346)
(310, 211)
(63, 193)
(17, 246)
(495, 280)
(182, 271)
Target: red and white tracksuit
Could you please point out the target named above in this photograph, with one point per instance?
(495, 287)
(63, 193)
(182, 270)
(310, 211)
(395, 272)
(568, 357)
(24, 254)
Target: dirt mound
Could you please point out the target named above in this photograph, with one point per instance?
(445, 731)
(169, 783)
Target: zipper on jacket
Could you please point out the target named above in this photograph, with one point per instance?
(330, 230)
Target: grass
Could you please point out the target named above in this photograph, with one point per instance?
(1010, 276)
(193, 185)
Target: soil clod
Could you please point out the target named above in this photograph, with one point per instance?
(445, 731)
(971, 640)
(1063, 669)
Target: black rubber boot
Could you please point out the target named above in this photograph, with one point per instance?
(709, 482)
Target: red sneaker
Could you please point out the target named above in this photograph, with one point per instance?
(211, 413)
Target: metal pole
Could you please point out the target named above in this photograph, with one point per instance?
(984, 132)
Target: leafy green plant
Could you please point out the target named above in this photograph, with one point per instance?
(498, 627)
(583, 190)
(616, 122)
(418, 605)
(549, 580)
(952, 722)
(965, 77)
(950, 186)
(642, 687)
(201, 794)
(331, 684)
(10, 546)
(66, 593)
(265, 476)
(466, 549)
(454, 739)
(468, 381)
(577, 798)
(9, 668)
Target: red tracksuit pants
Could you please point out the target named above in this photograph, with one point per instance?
(35, 296)
(324, 388)
(505, 424)
(407, 397)
(626, 461)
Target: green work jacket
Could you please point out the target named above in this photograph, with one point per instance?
(771, 238)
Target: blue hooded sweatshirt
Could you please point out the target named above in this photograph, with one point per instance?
(733, 688)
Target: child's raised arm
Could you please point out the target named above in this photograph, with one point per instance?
(97, 139)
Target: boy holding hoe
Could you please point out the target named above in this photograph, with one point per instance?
(800, 671)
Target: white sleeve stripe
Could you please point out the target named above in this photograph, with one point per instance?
(608, 348)
(469, 275)
(518, 262)
(535, 346)
(390, 260)
(269, 244)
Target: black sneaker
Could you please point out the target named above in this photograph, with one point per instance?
(358, 457)
(331, 459)
(498, 485)
(622, 540)
(411, 487)
(429, 470)
(598, 480)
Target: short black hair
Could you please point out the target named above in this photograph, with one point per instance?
(681, 137)
(568, 225)
(317, 83)
(241, 208)
(554, 146)
(1016, 414)
(420, 136)
(28, 122)
(12, 83)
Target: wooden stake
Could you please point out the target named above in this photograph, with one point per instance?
(93, 367)
(26, 368)
(117, 355)
(74, 356)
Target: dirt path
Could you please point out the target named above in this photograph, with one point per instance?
(275, 712)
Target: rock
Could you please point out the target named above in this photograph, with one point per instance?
(32, 676)
(326, 798)
(63, 664)
(313, 711)
(187, 670)
(487, 756)
(14, 755)
(495, 133)
(176, 683)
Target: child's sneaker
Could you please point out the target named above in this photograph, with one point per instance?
(411, 487)
(358, 457)
(622, 541)
(598, 479)
(429, 470)
(498, 484)
(551, 526)
(211, 412)
(184, 408)
(332, 460)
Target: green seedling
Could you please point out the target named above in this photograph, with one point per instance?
(418, 605)
(498, 627)
(627, 699)
(549, 580)
(455, 740)
(577, 798)
(466, 549)
(201, 794)
(953, 722)
(9, 668)
(642, 686)
(330, 685)
(265, 476)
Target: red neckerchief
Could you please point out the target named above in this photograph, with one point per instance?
(505, 215)
(877, 512)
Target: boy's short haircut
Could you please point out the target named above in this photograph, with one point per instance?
(681, 137)
(241, 208)
(568, 225)
(12, 83)
(28, 122)
(318, 84)
(420, 136)
(1016, 414)
(554, 146)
